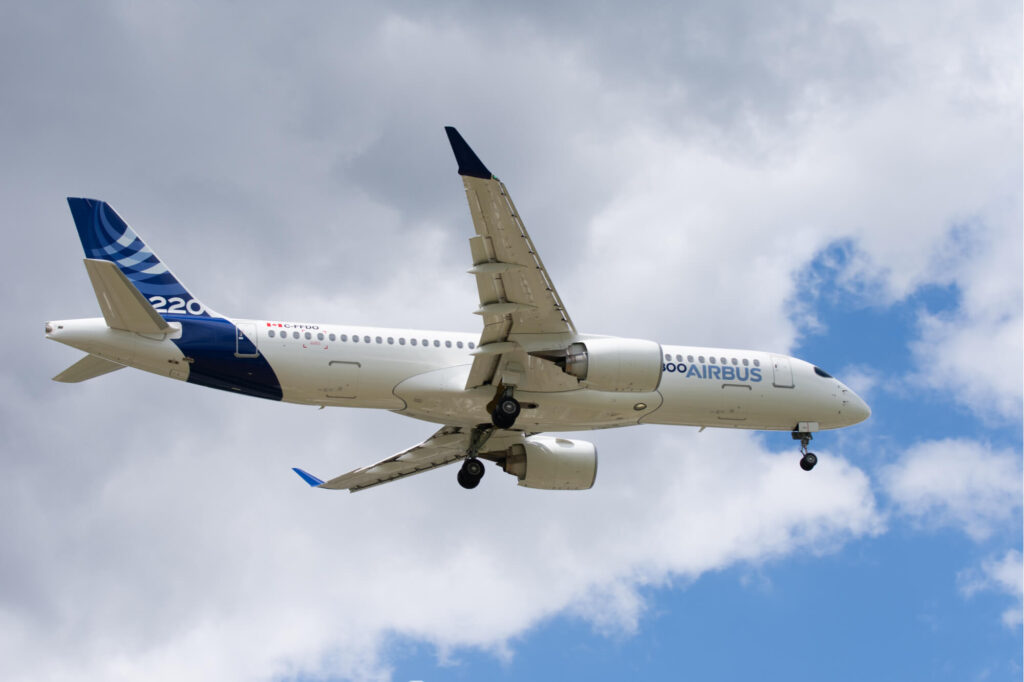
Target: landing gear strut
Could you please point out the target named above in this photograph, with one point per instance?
(505, 411)
(808, 459)
(472, 469)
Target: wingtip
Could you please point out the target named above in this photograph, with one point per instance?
(469, 163)
(309, 478)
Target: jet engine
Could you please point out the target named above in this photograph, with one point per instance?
(632, 365)
(552, 463)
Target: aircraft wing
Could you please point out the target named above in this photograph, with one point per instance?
(517, 295)
(450, 444)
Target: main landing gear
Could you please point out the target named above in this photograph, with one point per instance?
(472, 469)
(471, 472)
(506, 410)
(809, 459)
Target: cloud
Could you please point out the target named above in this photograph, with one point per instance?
(294, 164)
(863, 379)
(199, 556)
(1004, 575)
(975, 351)
(956, 482)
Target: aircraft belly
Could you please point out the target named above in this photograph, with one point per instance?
(325, 376)
(440, 396)
(160, 356)
(698, 402)
(585, 409)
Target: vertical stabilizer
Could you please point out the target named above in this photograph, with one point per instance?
(106, 236)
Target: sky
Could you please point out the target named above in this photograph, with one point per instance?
(841, 181)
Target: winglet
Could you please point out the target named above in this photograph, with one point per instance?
(312, 480)
(469, 163)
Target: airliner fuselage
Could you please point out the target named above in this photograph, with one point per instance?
(344, 366)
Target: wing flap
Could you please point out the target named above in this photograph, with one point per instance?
(450, 444)
(444, 447)
(517, 296)
(507, 266)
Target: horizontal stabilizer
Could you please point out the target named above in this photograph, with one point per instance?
(89, 367)
(124, 307)
(312, 480)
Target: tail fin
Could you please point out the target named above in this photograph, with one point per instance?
(105, 236)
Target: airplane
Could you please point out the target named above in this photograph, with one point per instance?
(495, 392)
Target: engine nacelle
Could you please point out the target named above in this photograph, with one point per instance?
(553, 463)
(632, 365)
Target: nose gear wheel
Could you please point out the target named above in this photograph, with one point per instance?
(808, 460)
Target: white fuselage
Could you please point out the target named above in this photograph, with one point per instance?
(423, 374)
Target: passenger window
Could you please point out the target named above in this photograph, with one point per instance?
(391, 340)
(355, 339)
(757, 363)
(711, 360)
(745, 362)
(379, 340)
(458, 344)
(689, 358)
(331, 337)
(701, 358)
(366, 339)
(437, 344)
(271, 333)
(401, 340)
(308, 336)
(668, 358)
(295, 335)
(343, 337)
(320, 336)
(412, 341)
(724, 361)
(425, 342)
(447, 344)
(735, 361)
(472, 345)
(679, 358)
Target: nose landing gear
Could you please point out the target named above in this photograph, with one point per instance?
(808, 459)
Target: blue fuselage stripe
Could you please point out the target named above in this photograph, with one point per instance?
(210, 344)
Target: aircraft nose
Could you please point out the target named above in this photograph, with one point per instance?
(854, 407)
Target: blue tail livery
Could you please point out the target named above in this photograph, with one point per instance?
(106, 236)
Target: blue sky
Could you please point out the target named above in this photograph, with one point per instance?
(889, 607)
(838, 181)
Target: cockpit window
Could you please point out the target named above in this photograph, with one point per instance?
(822, 373)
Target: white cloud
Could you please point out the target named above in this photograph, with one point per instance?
(957, 482)
(1004, 575)
(977, 360)
(201, 556)
(863, 379)
(157, 533)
